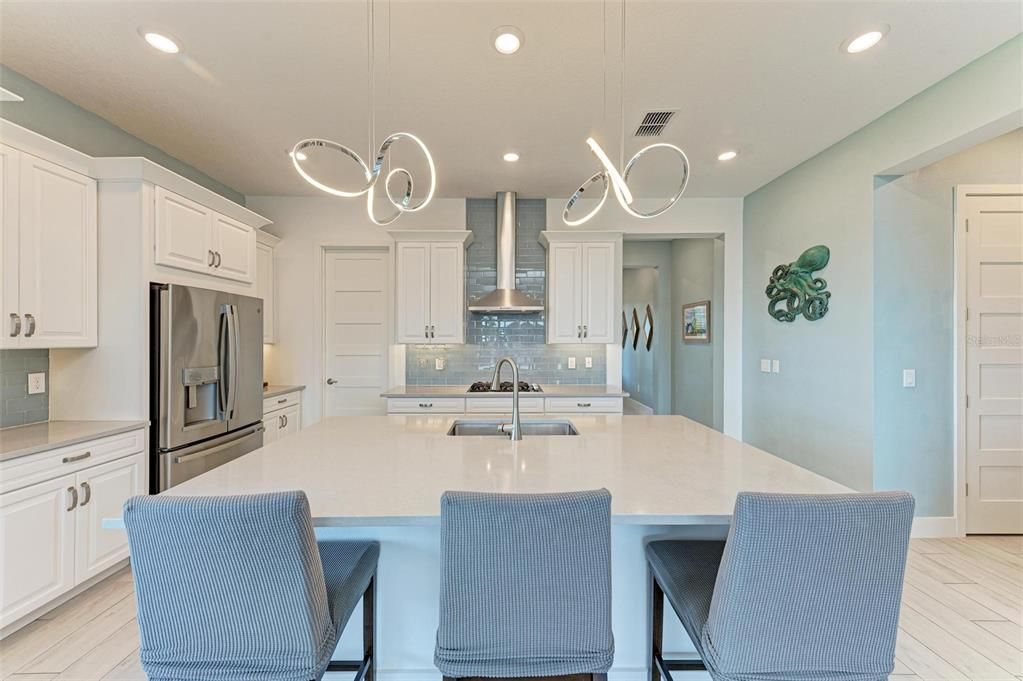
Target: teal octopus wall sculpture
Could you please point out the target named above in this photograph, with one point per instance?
(796, 287)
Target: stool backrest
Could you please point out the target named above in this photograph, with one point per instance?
(525, 584)
(221, 579)
(810, 583)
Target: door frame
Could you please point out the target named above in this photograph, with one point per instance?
(391, 356)
(960, 299)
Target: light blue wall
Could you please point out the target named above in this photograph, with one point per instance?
(49, 114)
(695, 376)
(819, 411)
(913, 318)
(647, 376)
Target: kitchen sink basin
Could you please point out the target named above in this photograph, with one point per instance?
(501, 428)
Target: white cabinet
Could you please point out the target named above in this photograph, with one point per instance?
(48, 254)
(52, 507)
(266, 286)
(430, 290)
(282, 416)
(192, 237)
(581, 291)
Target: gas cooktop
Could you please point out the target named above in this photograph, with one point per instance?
(505, 387)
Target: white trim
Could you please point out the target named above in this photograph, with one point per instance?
(637, 408)
(549, 236)
(33, 143)
(935, 527)
(464, 236)
(267, 239)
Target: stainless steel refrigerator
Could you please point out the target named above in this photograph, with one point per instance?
(206, 382)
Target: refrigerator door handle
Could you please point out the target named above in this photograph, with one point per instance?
(233, 352)
(223, 342)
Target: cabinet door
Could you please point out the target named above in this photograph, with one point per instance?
(37, 521)
(102, 491)
(9, 251)
(598, 293)
(234, 244)
(291, 420)
(184, 233)
(271, 428)
(413, 292)
(447, 293)
(57, 235)
(564, 293)
(265, 290)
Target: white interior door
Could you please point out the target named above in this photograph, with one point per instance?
(994, 363)
(357, 329)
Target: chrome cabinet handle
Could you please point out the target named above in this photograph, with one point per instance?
(15, 325)
(432, 328)
(87, 491)
(78, 457)
(586, 331)
(584, 404)
(331, 381)
(73, 491)
(31, 325)
(211, 259)
(217, 253)
(426, 405)
(280, 421)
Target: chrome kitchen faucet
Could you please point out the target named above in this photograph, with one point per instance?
(495, 386)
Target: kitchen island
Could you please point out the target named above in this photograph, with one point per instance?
(381, 477)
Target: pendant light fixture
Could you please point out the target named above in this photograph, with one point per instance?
(609, 177)
(402, 202)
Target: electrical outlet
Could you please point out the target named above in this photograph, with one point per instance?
(775, 366)
(765, 366)
(909, 378)
(571, 362)
(423, 362)
(438, 364)
(36, 383)
(589, 362)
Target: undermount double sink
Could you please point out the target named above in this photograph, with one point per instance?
(473, 428)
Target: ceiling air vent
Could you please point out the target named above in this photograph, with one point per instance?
(653, 123)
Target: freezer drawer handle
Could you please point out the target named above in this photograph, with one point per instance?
(78, 457)
(218, 448)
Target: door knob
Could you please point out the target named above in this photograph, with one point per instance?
(331, 381)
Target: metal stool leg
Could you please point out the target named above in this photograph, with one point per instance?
(659, 667)
(364, 668)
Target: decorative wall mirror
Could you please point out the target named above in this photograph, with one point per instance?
(648, 327)
(635, 329)
(625, 330)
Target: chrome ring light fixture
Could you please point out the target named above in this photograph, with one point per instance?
(403, 202)
(619, 182)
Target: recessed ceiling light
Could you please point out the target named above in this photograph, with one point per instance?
(727, 155)
(865, 41)
(300, 155)
(511, 157)
(507, 39)
(160, 41)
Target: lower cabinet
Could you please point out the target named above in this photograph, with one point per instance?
(282, 416)
(57, 524)
(503, 405)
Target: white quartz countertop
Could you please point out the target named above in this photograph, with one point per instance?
(392, 470)
(42, 437)
(275, 390)
(560, 390)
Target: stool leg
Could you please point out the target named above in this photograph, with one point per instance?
(369, 628)
(656, 628)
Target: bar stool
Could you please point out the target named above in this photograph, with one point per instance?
(806, 587)
(237, 588)
(525, 585)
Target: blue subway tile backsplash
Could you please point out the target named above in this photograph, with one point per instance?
(489, 336)
(17, 407)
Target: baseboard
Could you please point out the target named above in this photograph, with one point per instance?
(934, 527)
(636, 408)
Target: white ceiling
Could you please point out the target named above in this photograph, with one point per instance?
(767, 78)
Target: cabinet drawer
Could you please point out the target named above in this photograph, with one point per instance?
(281, 401)
(426, 405)
(579, 405)
(502, 405)
(27, 470)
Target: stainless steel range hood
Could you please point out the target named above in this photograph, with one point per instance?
(506, 299)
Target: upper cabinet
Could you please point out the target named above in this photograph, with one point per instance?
(266, 286)
(48, 254)
(582, 286)
(192, 237)
(430, 287)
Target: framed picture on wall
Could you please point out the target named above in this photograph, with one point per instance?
(696, 322)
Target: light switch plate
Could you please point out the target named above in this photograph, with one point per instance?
(909, 378)
(765, 366)
(589, 362)
(775, 366)
(571, 362)
(37, 383)
(438, 364)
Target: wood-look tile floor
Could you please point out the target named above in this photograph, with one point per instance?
(962, 619)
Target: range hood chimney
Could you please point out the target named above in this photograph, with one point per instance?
(506, 299)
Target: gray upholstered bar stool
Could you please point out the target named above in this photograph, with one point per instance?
(806, 588)
(237, 589)
(525, 586)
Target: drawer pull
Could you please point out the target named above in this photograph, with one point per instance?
(584, 404)
(79, 457)
(282, 400)
(426, 405)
